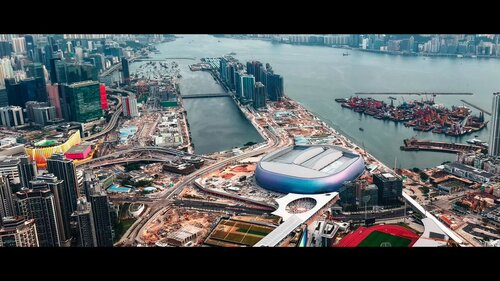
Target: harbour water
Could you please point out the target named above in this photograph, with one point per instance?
(315, 76)
(216, 124)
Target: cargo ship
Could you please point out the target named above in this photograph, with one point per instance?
(479, 142)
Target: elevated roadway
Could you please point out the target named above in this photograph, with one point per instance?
(133, 234)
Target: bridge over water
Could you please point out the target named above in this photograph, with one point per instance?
(476, 107)
(208, 95)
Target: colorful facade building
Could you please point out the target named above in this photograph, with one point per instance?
(41, 150)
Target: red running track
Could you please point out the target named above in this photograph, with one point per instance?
(353, 239)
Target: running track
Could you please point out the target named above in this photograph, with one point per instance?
(354, 238)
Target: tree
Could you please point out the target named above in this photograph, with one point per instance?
(424, 189)
(424, 176)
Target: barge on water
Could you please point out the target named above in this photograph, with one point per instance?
(423, 115)
(414, 144)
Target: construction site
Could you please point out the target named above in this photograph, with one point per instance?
(238, 180)
(179, 226)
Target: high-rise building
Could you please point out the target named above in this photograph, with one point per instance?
(43, 115)
(253, 68)
(102, 219)
(8, 168)
(494, 145)
(18, 232)
(222, 69)
(29, 89)
(88, 72)
(64, 169)
(34, 89)
(6, 201)
(238, 84)
(259, 95)
(390, 189)
(257, 65)
(355, 40)
(6, 70)
(98, 61)
(347, 194)
(14, 92)
(34, 70)
(263, 76)
(27, 170)
(30, 47)
(4, 98)
(61, 204)
(86, 235)
(129, 106)
(53, 62)
(12, 116)
(104, 98)
(69, 73)
(81, 102)
(18, 45)
(125, 71)
(30, 109)
(248, 85)
(39, 205)
(370, 192)
(274, 86)
(5, 49)
(53, 97)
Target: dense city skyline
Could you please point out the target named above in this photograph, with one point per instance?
(163, 140)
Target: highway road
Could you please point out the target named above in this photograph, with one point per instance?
(154, 209)
(166, 150)
(218, 207)
(378, 216)
(114, 119)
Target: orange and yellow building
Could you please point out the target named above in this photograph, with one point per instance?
(42, 150)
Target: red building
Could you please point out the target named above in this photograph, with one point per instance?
(78, 151)
(104, 99)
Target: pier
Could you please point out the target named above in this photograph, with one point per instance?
(169, 58)
(418, 94)
(416, 145)
(476, 107)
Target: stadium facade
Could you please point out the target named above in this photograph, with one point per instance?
(308, 169)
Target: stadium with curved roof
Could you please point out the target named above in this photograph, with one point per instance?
(308, 169)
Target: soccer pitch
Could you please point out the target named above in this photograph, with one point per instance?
(380, 239)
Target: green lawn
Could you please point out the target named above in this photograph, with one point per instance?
(254, 232)
(122, 227)
(376, 238)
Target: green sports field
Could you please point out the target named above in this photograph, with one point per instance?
(237, 233)
(376, 238)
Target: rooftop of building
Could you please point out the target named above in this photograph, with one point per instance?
(83, 84)
(81, 148)
(309, 161)
(387, 177)
(9, 161)
(13, 224)
(47, 138)
(11, 107)
(470, 169)
(184, 233)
